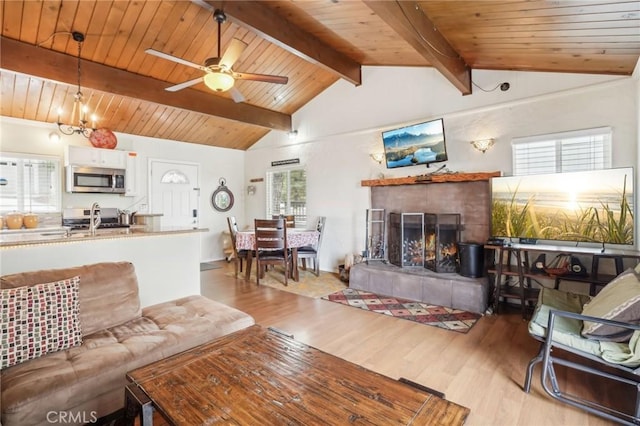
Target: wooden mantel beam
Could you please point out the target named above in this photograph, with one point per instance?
(50, 65)
(262, 20)
(409, 20)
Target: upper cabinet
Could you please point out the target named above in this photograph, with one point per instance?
(95, 157)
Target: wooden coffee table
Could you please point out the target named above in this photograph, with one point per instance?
(260, 376)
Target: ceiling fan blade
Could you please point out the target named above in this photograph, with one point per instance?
(203, 4)
(184, 85)
(233, 52)
(236, 95)
(261, 77)
(173, 58)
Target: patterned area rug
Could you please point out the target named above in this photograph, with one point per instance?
(438, 316)
(309, 285)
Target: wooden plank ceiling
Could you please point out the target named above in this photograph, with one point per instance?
(313, 43)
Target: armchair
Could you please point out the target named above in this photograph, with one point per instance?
(563, 321)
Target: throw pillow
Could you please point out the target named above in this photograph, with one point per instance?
(620, 301)
(39, 319)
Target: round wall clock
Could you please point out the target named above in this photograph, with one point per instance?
(222, 197)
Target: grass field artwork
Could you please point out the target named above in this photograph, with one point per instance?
(591, 206)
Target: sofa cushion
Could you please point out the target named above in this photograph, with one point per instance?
(82, 376)
(108, 291)
(619, 300)
(38, 320)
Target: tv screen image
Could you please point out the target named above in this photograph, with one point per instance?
(413, 145)
(589, 206)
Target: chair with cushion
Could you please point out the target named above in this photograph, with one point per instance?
(271, 247)
(313, 252)
(238, 255)
(603, 331)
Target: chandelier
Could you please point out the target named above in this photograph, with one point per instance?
(80, 111)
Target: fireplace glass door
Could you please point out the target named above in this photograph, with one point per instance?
(442, 234)
(406, 239)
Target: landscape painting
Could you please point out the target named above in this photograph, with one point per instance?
(591, 206)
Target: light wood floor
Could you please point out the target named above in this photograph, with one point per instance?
(483, 370)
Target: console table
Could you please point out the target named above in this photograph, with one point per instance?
(512, 272)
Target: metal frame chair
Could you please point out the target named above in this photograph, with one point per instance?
(615, 372)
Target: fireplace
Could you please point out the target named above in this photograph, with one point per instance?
(425, 240)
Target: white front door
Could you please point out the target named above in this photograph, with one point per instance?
(174, 192)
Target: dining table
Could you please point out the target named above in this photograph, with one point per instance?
(246, 240)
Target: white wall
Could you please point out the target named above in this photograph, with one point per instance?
(341, 127)
(33, 137)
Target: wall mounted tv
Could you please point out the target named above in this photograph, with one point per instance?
(414, 145)
(591, 206)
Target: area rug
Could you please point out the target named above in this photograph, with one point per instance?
(438, 316)
(309, 285)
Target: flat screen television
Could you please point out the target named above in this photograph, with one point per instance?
(589, 206)
(413, 145)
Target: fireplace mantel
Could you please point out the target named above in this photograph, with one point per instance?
(435, 178)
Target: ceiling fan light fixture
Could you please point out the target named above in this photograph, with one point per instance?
(219, 81)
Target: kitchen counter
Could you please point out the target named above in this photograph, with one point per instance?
(54, 235)
(166, 259)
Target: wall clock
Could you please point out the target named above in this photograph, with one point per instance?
(222, 197)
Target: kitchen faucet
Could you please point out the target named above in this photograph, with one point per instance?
(94, 218)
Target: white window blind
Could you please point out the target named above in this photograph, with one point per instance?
(29, 184)
(563, 152)
(287, 194)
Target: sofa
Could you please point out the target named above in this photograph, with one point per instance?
(87, 331)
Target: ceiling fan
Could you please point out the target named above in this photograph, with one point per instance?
(219, 75)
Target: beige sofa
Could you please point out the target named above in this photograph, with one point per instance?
(85, 382)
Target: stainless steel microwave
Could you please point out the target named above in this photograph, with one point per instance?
(95, 180)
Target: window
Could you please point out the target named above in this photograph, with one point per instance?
(563, 152)
(29, 183)
(287, 194)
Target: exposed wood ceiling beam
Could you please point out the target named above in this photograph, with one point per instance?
(48, 64)
(272, 27)
(409, 20)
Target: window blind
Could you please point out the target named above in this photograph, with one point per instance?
(287, 194)
(563, 152)
(29, 184)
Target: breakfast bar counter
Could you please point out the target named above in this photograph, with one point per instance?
(166, 260)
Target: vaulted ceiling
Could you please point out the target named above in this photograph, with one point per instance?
(311, 42)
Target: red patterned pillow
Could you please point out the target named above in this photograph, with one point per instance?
(38, 320)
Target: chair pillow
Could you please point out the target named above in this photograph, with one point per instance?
(39, 319)
(620, 301)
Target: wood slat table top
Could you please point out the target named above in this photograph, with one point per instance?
(257, 376)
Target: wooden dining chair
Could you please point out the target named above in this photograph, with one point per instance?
(271, 247)
(238, 255)
(313, 252)
(289, 219)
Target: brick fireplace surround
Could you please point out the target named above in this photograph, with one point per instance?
(465, 193)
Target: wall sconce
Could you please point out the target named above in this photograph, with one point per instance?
(483, 145)
(54, 137)
(251, 190)
(293, 135)
(377, 157)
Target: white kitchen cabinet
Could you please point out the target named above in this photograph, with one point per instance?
(131, 177)
(95, 157)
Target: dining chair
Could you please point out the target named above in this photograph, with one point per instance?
(238, 255)
(313, 252)
(289, 219)
(271, 247)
